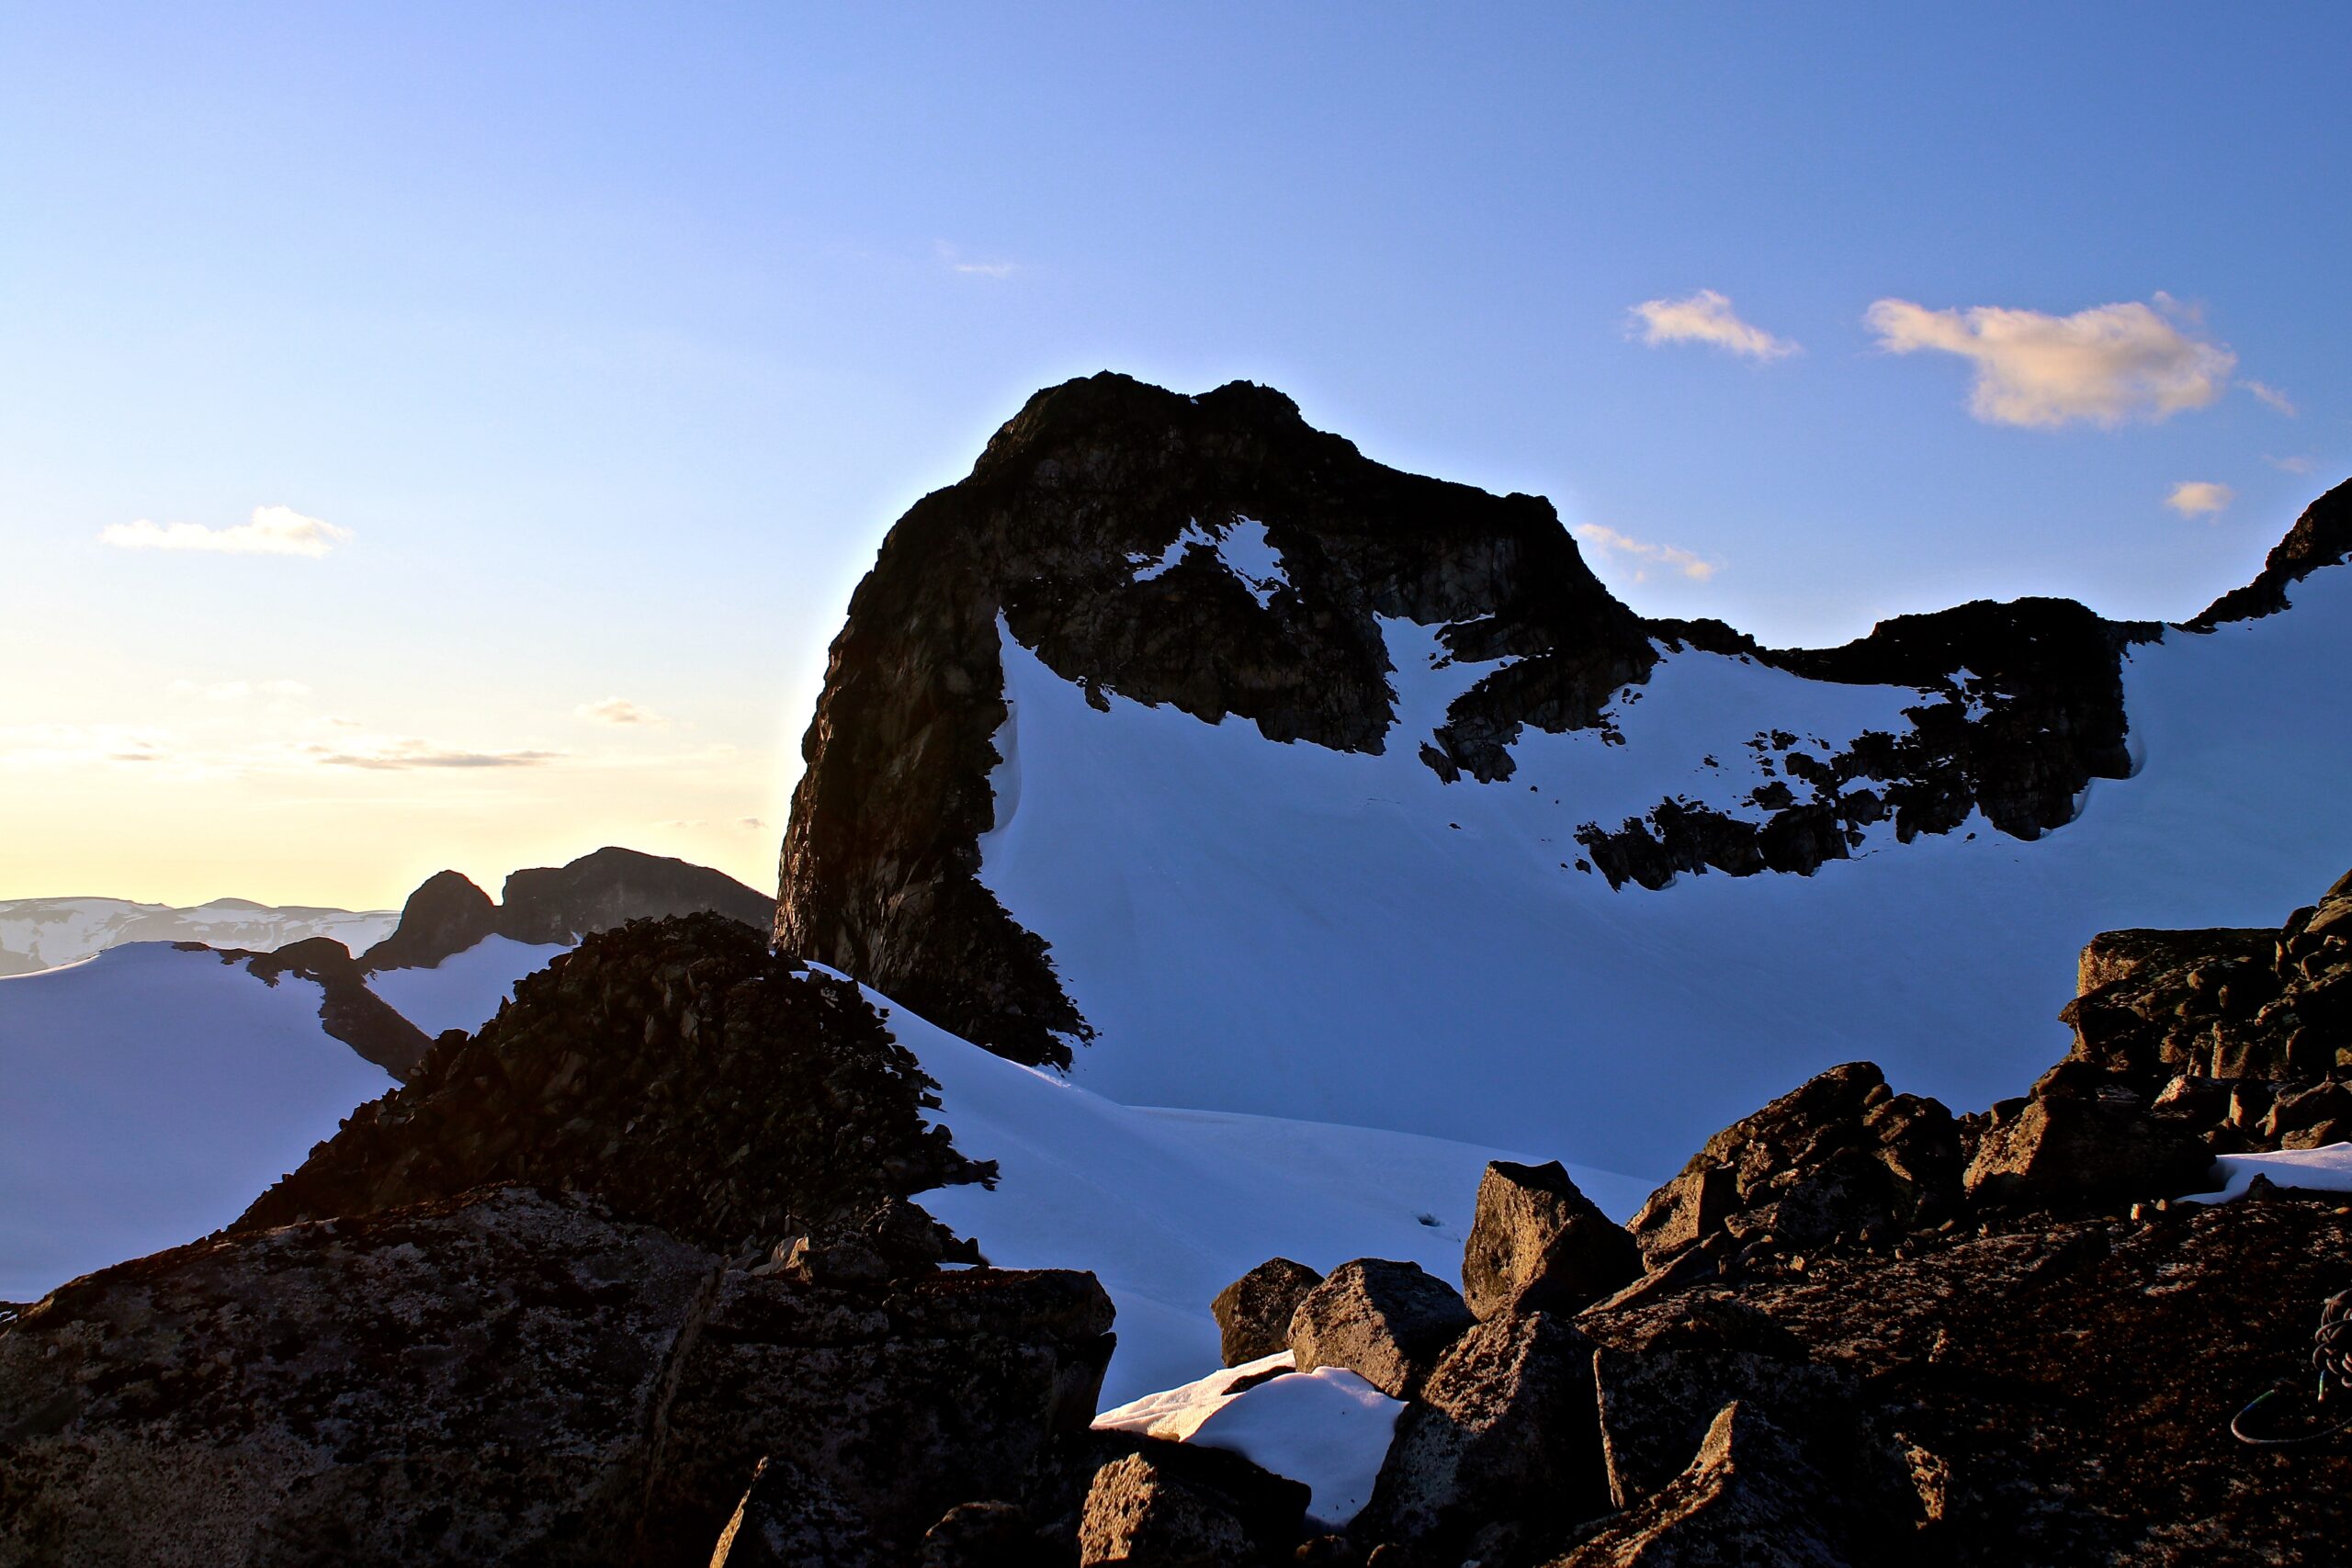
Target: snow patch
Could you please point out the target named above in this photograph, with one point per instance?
(466, 989)
(1243, 548)
(1327, 1428)
(2328, 1169)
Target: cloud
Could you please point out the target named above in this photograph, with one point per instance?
(80, 745)
(619, 710)
(409, 752)
(750, 822)
(954, 260)
(2291, 465)
(1645, 554)
(1707, 316)
(274, 531)
(2272, 395)
(2200, 498)
(238, 691)
(2104, 366)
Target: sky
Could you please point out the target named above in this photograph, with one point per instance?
(448, 435)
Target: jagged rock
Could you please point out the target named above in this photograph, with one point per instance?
(445, 915)
(1748, 1500)
(1387, 1322)
(1138, 1513)
(1502, 1448)
(1842, 1155)
(789, 1519)
(514, 1376)
(1538, 1244)
(1271, 1510)
(1662, 1373)
(981, 1534)
(2307, 1117)
(671, 1069)
(1253, 1313)
(2083, 1139)
(608, 889)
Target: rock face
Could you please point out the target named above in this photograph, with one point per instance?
(674, 1070)
(1060, 533)
(1253, 1313)
(1386, 1322)
(2243, 1008)
(516, 1376)
(1843, 1156)
(1137, 1512)
(598, 892)
(1537, 1243)
(2083, 1139)
(1503, 1449)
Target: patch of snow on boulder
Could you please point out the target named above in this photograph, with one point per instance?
(1327, 1428)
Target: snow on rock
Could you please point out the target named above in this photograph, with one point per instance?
(2328, 1169)
(1283, 929)
(1168, 1208)
(465, 989)
(1243, 548)
(1327, 1428)
(147, 1095)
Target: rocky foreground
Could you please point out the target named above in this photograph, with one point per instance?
(635, 1276)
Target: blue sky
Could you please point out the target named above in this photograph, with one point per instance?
(609, 340)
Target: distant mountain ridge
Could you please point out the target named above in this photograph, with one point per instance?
(41, 934)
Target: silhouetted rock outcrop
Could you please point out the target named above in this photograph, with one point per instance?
(2321, 536)
(445, 915)
(674, 1070)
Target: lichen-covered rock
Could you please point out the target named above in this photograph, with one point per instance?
(1748, 1500)
(674, 1070)
(1502, 1448)
(1253, 1313)
(1538, 1244)
(1842, 1155)
(2082, 1140)
(512, 1376)
(1140, 1513)
(1387, 1322)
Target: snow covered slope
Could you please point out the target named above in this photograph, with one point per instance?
(464, 990)
(1168, 1207)
(1286, 928)
(146, 1095)
(41, 934)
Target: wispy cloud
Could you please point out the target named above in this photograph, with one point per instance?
(2200, 498)
(750, 822)
(2291, 465)
(619, 710)
(2272, 395)
(954, 260)
(409, 752)
(239, 691)
(273, 531)
(1645, 555)
(2102, 365)
(1706, 317)
(77, 745)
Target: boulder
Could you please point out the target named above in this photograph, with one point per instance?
(1253, 1313)
(516, 1376)
(1840, 1156)
(1387, 1322)
(2083, 1139)
(789, 1519)
(1503, 1447)
(1538, 1244)
(1748, 1500)
(1137, 1512)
